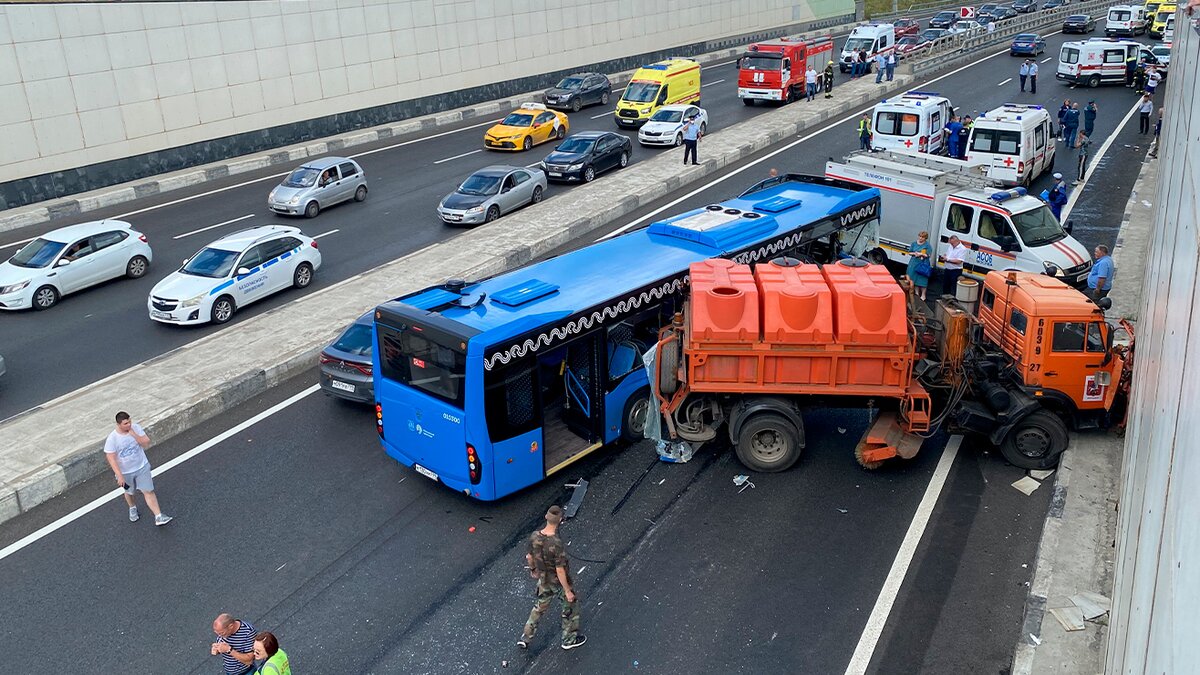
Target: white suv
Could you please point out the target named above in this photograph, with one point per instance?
(234, 271)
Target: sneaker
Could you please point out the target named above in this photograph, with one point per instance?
(133, 514)
(579, 640)
(162, 519)
(523, 643)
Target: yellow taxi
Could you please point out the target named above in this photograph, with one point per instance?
(525, 127)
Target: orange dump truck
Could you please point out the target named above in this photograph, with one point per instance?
(754, 348)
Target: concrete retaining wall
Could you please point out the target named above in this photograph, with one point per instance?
(98, 94)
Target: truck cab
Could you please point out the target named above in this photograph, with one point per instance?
(774, 70)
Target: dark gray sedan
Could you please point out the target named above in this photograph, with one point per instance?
(345, 365)
(584, 155)
(490, 193)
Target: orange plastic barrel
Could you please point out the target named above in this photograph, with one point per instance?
(797, 306)
(725, 302)
(869, 306)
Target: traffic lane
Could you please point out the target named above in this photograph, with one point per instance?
(961, 607)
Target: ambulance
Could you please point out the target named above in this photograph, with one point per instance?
(875, 38)
(912, 121)
(1096, 61)
(1158, 20)
(1014, 143)
(1126, 20)
(667, 82)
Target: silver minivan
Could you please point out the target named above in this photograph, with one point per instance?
(317, 185)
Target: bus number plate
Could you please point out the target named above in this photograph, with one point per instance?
(425, 472)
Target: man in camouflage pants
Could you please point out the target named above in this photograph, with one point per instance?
(547, 562)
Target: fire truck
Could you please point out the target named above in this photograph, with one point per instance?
(1017, 360)
(774, 70)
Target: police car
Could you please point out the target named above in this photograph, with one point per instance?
(232, 272)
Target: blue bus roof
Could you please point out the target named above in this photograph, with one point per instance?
(755, 224)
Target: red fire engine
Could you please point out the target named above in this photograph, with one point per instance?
(774, 70)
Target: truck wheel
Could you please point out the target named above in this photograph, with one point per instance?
(633, 420)
(747, 101)
(769, 443)
(667, 382)
(1036, 441)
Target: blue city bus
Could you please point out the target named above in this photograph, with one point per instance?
(491, 386)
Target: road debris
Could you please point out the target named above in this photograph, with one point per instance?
(580, 490)
(581, 569)
(841, 430)
(1035, 639)
(662, 481)
(1041, 474)
(1071, 617)
(843, 511)
(743, 480)
(1027, 485)
(471, 528)
(1092, 605)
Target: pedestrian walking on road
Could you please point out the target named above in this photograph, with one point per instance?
(1071, 122)
(891, 65)
(827, 80)
(547, 562)
(1033, 72)
(880, 67)
(953, 129)
(1100, 278)
(864, 132)
(810, 83)
(1057, 197)
(691, 138)
(235, 644)
(1023, 73)
(1152, 80)
(1089, 118)
(952, 265)
(1084, 143)
(272, 660)
(125, 450)
(1062, 115)
(919, 269)
(1144, 109)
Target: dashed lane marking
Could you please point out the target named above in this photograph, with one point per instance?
(326, 234)
(1004, 82)
(213, 227)
(449, 159)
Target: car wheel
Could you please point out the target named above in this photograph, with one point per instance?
(604, 98)
(576, 104)
(678, 140)
(1094, 81)
(703, 128)
(312, 210)
(624, 159)
(537, 195)
(560, 132)
(222, 310)
(361, 193)
(493, 213)
(527, 143)
(589, 174)
(303, 275)
(136, 267)
(45, 297)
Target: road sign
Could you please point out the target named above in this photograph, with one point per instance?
(966, 12)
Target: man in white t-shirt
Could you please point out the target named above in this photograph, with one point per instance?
(952, 265)
(125, 450)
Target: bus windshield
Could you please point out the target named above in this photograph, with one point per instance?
(412, 356)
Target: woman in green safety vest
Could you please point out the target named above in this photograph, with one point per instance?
(272, 659)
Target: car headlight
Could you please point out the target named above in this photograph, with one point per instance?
(645, 111)
(13, 288)
(475, 209)
(192, 302)
(271, 196)
(294, 200)
(575, 167)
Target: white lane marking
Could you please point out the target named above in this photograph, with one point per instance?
(1091, 169)
(709, 84)
(1047, 60)
(448, 159)
(785, 148)
(17, 243)
(908, 548)
(1004, 82)
(213, 227)
(96, 503)
(326, 234)
(603, 114)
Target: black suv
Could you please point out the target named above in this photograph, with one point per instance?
(1025, 6)
(575, 91)
(943, 20)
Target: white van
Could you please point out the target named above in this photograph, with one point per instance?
(1096, 61)
(1014, 143)
(912, 121)
(1126, 20)
(1169, 32)
(876, 38)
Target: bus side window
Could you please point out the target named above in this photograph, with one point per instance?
(509, 401)
(958, 218)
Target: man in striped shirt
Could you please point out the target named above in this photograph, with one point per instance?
(235, 644)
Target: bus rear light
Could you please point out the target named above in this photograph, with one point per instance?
(473, 464)
(379, 419)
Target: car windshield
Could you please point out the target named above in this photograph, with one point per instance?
(933, 34)
(1077, 17)
(641, 92)
(1118, 16)
(356, 340)
(1161, 52)
(576, 145)
(570, 83)
(857, 44)
(302, 177)
(1038, 227)
(945, 15)
(907, 41)
(667, 116)
(760, 63)
(517, 120)
(37, 253)
(210, 262)
(480, 185)
(1025, 37)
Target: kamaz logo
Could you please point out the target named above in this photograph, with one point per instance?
(864, 213)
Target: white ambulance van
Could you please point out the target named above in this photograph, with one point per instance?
(875, 38)
(1013, 143)
(1126, 20)
(912, 121)
(1096, 61)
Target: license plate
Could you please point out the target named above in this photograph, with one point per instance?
(336, 384)
(556, 174)
(425, 472)
(160, 315)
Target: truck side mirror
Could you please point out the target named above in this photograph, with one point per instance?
(1069, 226)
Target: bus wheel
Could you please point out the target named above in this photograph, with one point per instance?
(1036, 441)
(636, 415)
(768, 443)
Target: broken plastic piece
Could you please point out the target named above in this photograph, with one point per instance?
(676, 452)
(1027, 485)
(843, 511)
(576, 498)
(1041, 474)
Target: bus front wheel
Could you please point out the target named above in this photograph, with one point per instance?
(637, 414)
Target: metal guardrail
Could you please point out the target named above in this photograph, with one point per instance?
(917, 8)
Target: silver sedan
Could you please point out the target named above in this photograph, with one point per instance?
(490, 193)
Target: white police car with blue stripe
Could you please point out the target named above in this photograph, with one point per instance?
(232, 272)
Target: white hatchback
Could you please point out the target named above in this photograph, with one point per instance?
(665, 127)
(232, 272)
(70, 259)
